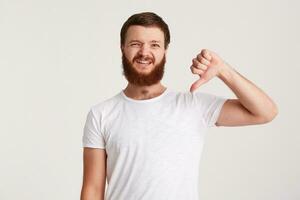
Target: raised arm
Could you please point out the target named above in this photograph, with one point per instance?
(94, 174)
(252, 105)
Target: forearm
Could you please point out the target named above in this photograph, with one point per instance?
(90, 193)
(250, 96)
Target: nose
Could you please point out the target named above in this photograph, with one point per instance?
(144, 50)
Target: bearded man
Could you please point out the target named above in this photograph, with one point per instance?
(147, 140)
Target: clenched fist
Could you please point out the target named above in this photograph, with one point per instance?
(207, 65)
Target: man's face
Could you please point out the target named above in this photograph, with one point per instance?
(143, 55)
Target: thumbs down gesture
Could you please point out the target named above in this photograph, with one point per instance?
(207, 64)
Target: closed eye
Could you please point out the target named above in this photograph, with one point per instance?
(134, 44)
(155, 45)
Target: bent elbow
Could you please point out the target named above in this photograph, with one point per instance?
(271, 115)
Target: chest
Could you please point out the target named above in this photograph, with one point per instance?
(156, 130)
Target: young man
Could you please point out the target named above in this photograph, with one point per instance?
(147, 140)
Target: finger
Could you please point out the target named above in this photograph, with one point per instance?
(202, 60)
(199, 65)
(197, 84)
(206, 54)
(196, 70)
(202, 67)
(195, 62)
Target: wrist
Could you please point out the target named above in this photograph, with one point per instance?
(225, 71)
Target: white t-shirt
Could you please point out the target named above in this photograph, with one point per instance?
(153, 146)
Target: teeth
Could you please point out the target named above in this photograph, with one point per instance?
(143, 61)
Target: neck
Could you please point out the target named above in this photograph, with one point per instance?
(144, 92)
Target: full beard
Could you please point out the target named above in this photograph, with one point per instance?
(140, 79)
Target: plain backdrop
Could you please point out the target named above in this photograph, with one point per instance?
(59, 57)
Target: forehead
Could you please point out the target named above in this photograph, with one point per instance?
(144, 34)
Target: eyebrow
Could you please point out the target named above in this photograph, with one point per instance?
(156, 41)
(152, 41)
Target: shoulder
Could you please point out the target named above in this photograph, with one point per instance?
(106, 105)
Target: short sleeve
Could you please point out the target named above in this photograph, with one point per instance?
(210, 106)
(92, 136)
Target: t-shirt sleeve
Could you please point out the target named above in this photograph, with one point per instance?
(210, 107)
(92, 136)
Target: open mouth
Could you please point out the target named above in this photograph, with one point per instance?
(143, 62)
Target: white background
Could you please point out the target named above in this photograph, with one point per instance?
(59, 57)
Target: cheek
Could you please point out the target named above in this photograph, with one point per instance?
(129, 55)
(159, 57)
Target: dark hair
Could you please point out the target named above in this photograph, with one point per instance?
(146, 19)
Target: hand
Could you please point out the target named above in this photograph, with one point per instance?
(207, 65)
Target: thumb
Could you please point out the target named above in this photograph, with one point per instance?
(197, 84)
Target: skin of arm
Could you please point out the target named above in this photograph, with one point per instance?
(94, 174)
(252, 106)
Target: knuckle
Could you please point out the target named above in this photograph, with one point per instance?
(205, 53)
(192, 69)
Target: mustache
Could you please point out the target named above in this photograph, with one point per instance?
(147, 58)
